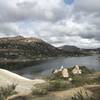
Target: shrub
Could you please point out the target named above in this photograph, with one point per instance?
(58, 85)
(78, 81)
(82, 95)
(7, 91)
(40, 89)
(55, 85)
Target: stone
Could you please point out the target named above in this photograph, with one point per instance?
(58, 70)
(70, 79)
(61, 69)
(65, 73)
(77, 70)
(55, 71)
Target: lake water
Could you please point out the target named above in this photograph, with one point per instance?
(47, 66)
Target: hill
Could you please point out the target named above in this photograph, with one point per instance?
(20, 47)
(69, 48)
(16, 52)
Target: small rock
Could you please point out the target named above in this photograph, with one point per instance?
(61, 69)
(55, 71)
(70, 79)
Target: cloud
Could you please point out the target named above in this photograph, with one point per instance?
(87, 5)
(32, 10)
(52, 20)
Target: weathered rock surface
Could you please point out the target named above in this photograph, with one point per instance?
(77, 70)
(65, 73)
(24, 85)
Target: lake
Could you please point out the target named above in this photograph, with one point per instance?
(47, 66)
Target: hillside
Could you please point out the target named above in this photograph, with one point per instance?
(20, 47)
(26, 48)
(69, 48)
(94, 50)
(79, 51)
(17, 52)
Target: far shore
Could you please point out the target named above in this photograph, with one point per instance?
(13, 64)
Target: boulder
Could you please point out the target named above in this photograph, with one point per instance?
(61, 72)
(55, 71)
(77, 70)
(58, 70)
(65, 73)
(61, 69)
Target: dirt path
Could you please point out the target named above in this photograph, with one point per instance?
(68, 94)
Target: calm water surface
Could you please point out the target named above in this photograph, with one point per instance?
(46, 67)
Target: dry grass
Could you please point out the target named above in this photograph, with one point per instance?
(7, 91)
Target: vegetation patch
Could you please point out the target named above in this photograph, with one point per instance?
(84, 95)
(40, 89)
(7, 91)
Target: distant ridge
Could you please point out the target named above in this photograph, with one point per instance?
(69, 48)
(20, 38)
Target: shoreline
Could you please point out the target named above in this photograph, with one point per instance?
(13, 64)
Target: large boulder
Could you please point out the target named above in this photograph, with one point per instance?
(65, 73)
(61, 72)
(77, 70)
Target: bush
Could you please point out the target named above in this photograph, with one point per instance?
(7, 91)
(82, 95)
(80, 80)
(40, 89)
(55, 85)
(59, 85)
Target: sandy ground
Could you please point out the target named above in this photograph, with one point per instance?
(68, 94)
(63, 95)
(24, 85)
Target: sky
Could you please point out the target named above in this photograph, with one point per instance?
(58, 22)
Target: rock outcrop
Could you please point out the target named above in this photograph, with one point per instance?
(65, 73)
(23, 84)
(76, 70)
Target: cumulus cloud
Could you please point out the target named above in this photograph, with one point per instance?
(52, 20)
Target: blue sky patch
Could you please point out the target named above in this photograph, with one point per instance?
(69, 2)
